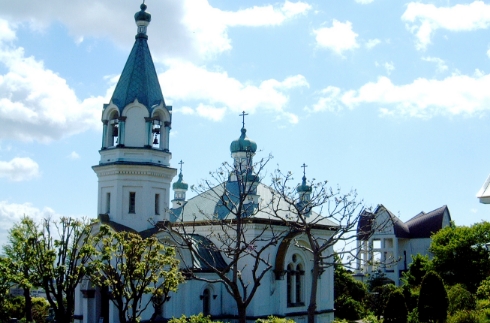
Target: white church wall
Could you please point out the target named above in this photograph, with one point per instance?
(135, 125)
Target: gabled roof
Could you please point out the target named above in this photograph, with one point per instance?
(138, 79)
(423, 225)
(207, 204)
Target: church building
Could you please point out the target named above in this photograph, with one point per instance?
(135, 179)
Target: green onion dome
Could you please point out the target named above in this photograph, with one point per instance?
(303, 188)
(243, 144)
(142, 15)
(180, 184)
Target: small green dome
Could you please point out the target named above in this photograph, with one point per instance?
(142, 14)
(303, 188)
(243, 144)
(180, 184)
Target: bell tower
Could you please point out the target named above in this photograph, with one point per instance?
(134, 172)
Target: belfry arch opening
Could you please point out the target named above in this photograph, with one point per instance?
(160, 130)
(112, 135)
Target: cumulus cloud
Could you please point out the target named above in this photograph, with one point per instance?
(371, 43)
(209, 25)
(338, 38)
(37, 104)
(215, 92)
(440, 63)
(11, 213)
(19, 169)
(423, 98)
(73, 155)
(424, 19)
(192, 29)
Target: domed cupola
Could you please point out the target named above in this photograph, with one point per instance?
(142, 15)
(243, 144)
(304, 194)
(180, 188)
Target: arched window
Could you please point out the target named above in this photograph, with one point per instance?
(295, 282)
(206, 302)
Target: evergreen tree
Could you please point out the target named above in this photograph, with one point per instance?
(396, 309)
(433, 300)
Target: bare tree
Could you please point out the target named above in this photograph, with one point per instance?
(236, 244)
(314, 205)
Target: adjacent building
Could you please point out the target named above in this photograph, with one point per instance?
(387, 243)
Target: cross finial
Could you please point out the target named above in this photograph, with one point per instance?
(181, 163)
(304, 169)
(243, 114)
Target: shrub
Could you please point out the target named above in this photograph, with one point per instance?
(433, 301)
(379, 297)
(371, 318)
(413, 316)
(273, 319)
(396, 309)
(40, 308)
(200, 318)
(460, 299)
(465, 316)
(348, 308)
(483, 291)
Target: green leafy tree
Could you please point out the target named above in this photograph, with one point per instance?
(460, 299)
(349, 294)
(6, 282)
(396, 309)
(483, 291)
(417, 270)
(460, 256)
(433, 300)
(378, 298)
(19, 249)
(62, 249)
(345, 284)
(132, 267)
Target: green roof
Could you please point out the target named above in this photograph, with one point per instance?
(243, 144)
(139, 78)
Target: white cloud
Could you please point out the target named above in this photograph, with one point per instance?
(389, 67)
(423, 98)
(364, 1)
(440, 63)
(210, 112)
(19, 169)
(11, 213)
(73, 155)
(338, 38)
(424, 19)
(37, 104)
(209, 25)
(193, 29)
(223, 93)
(371, 43)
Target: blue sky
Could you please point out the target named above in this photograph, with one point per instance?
(387, 97)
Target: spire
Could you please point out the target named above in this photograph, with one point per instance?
(139, 79)
(304, 188)
(304, 194)
(180, 188)
(243, 144)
